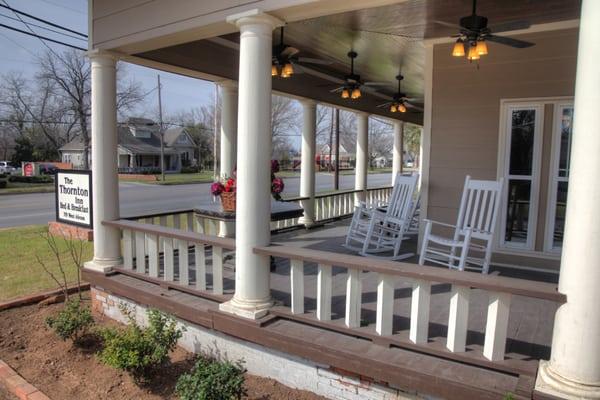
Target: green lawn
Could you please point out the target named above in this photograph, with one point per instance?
(20, 272)
(178, 179)
(20, 187)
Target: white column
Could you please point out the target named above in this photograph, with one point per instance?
(252, 297)
(229, 115)
(574, 368)
(362, 155)
(105, 180)
(307, 166)
(397, 153)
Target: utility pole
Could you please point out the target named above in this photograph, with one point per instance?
(336, 182)
(215, 130)
(161, 133)
(330, 142)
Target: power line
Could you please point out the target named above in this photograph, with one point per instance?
(42, 38)
(5, 5)
(43, 27)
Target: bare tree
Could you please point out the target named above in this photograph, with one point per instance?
(285, 119)
(412, 141)
(68, 76)
(381, 140)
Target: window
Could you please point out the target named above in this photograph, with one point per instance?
(523, 129)
(559, 177)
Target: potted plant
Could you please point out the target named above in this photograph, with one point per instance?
(226, 188)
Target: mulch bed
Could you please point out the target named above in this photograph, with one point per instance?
(63, 371)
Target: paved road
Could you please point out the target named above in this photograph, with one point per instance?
(138, 198)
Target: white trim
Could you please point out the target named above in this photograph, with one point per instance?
(507, 106)
(425, 150)
(553, 177)
(550, 26)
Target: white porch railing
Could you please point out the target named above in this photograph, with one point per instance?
(499, 289)
(174, 256)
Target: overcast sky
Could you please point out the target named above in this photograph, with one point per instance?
(18, 52)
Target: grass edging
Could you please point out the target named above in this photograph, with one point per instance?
(15, 384)
(37, 297)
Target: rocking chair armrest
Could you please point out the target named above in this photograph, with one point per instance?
(429, 221)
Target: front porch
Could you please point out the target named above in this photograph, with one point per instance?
(367, 345)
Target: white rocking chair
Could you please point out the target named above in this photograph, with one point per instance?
(476, 220)
(382, 229)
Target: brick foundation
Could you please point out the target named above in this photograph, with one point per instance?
(138, 177)
(261, 361)
(70, 231)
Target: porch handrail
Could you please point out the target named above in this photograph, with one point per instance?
(500, 290)
(157, 215)
(336, 193)
(474, 280)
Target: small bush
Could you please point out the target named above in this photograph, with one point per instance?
(31, 179)
(189, 170)
(137, 350)
(72, 321)
(211, 379)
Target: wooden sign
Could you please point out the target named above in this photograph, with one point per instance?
(74, 197)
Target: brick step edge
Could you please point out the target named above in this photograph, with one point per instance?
(36, 298)
(15, 384)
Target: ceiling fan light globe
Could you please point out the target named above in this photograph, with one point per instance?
(401, 108)
(287, 70)
(345, 93)
(481, 48)
(473, 55)
(355, 93)
(393, 108)
(459, 49)
(274, 71)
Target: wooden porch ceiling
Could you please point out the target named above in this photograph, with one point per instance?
(388, 40)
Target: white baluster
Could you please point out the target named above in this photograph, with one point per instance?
(200, 262)
(217, 270)
(140, 252)
(458, 319)
(162, 221)
(324, 292)
(419, 311)
(168, 256)
(497, 326)
(176, 225)
(385, 305)
(184, 275)
(153, 255)
(128, 249)
(297, 283)
(353, 298)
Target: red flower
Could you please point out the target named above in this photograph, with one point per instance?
(277, 186)
(217, 188)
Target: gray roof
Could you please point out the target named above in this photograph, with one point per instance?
(172, 134)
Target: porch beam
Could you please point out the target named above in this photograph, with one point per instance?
(252, 297)
(362, 155)
(105, 182)
(574, 367)
(307, 165)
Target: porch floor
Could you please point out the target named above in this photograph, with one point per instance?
(391, 359)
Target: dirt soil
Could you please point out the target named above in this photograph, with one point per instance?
(63, 371)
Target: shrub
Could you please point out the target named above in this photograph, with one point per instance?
(72, 321)
(211, 379)
(31, 179)
(137, 350)
(189, 170)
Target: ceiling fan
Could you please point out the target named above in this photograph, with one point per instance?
(285, 57)
(400, 103)
(474, 32)
(352, 83)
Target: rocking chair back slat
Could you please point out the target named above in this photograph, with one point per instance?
(479, 203)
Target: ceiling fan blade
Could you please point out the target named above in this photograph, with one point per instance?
(385, 104)
(409, 105)
(519, 44)
(376, 84)
(314, 61)
(448, 25)
(414, 99)
(510, 26)
(289, 51)
(336, 89)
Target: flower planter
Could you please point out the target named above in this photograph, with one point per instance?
(228, 201)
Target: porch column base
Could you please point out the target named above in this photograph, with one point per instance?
(249, 310)
(103, 266)
(549, 382)
(306, 221)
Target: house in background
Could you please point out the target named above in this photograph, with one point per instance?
(139, 148)
(347, 159)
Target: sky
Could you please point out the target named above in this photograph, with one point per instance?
(18, 52)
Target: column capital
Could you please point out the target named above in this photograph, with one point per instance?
(254, 16)
(308, 102)
(362, 114)
(227, 84)
(102, 56)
